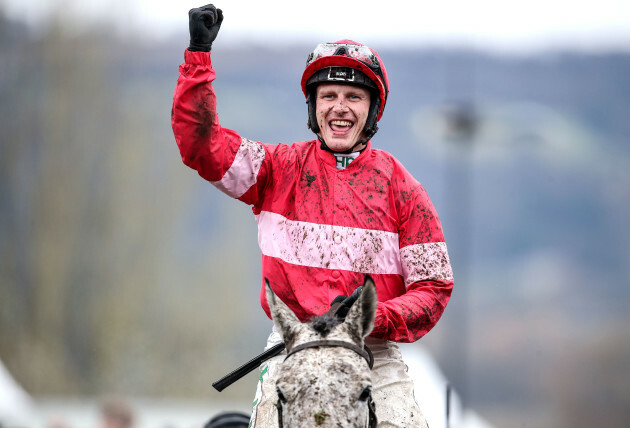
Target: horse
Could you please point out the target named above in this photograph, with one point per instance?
(325, 378)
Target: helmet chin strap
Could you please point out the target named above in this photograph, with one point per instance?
(360, 142)
(324, 146)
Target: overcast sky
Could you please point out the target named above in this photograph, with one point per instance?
(497, 24)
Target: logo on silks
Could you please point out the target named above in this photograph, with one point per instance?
(344, 160)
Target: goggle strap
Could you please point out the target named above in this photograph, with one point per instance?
(345, 74)
(341, 74)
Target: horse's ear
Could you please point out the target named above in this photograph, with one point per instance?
(360, 318)
(284, 319)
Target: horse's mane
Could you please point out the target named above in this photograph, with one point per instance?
(323, 324)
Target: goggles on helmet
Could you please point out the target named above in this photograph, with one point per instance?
(358, 52)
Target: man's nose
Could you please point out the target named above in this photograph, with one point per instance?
(341, 105)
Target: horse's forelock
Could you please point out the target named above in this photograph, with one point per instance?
(324, 324)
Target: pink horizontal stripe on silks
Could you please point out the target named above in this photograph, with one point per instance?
(243, 172)
(423, 262)
(330, 247)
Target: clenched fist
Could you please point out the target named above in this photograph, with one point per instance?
(203, 24)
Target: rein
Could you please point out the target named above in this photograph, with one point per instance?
(364, 352)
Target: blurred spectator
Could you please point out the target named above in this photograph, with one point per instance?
(116, 413)
(56, 422)
(229, 420)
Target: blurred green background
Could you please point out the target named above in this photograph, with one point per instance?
(123, 272)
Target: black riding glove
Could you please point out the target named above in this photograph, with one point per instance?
(345, 303)
(203, 24)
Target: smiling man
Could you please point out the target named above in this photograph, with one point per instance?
(329, 211)
(342, 111)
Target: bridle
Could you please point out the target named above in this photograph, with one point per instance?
(363, 352)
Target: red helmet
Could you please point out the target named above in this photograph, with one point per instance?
(346, 61)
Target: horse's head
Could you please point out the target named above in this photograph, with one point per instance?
(327, 385)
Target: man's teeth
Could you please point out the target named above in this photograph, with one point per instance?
(341, 123)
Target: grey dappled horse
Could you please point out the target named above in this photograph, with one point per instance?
(325, 379)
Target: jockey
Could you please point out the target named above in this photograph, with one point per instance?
(329, 211)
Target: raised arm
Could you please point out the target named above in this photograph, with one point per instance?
(220, 155)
